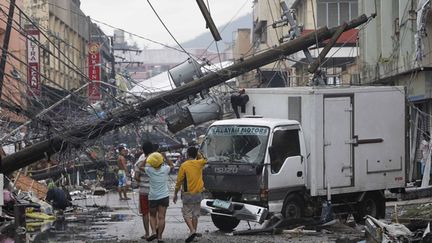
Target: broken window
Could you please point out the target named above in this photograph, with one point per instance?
(260, 32)
(238, 144)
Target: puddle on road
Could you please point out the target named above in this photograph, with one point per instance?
(88, 225)
(121, 217)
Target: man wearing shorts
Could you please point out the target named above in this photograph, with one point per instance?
(190, 179)
(142, 178)
(122, 173)
(158, 173)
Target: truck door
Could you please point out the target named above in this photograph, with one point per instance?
(338, 146)
(286, 170)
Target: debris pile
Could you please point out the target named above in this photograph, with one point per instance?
(35, 212)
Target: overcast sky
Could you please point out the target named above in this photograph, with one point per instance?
(182, 17)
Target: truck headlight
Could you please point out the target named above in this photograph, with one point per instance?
(250, 197)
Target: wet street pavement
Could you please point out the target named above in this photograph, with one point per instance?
(108, 219)
(124, 224)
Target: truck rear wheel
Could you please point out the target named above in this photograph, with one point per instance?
(293, 207)
(225, 223)
(373, 204)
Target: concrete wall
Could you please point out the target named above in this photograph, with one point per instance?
(242, 44)
(243, 49)
(387, 43)
(270, 11)
(69, 13)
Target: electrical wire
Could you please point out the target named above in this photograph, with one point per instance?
(41, 45)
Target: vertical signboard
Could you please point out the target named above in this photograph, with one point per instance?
(94, 71)
(33, 68)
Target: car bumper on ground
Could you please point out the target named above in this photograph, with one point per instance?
(238, 210)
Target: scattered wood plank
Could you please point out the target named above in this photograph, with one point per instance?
(25, 183)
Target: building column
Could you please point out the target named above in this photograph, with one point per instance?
(407, 30)
(387, 31)
(372, 43)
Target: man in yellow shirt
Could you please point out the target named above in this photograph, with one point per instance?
(190, 179)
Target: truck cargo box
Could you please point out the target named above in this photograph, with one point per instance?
(354, 135)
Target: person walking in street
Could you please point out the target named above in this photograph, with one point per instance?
(144, 188)
(158, 173)
(122, 173)
(191, 180)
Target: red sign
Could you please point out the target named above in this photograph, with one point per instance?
(33, 68)
(94, 71)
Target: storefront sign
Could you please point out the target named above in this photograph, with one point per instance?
(33, 68)
(94, 72)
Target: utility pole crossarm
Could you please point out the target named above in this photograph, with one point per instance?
(315, 65)
(125, 115)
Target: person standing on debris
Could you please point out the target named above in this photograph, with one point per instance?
(191, 180)
(56, 197)
(142, 178)
(122, 173)
(158, 173)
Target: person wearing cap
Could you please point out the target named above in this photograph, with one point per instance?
(158, 173)
(190, 179)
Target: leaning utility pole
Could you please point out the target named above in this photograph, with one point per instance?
(128, 114)
(6, 44)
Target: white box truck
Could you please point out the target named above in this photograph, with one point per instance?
(294, 146)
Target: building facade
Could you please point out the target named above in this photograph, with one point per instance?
(266, 36)
(394, 48)
(14, 86)
(242, 48)
(339, 67)
(271, 29)
(66, 34)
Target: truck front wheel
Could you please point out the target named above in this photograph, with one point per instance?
(293, 207)
(224, 223)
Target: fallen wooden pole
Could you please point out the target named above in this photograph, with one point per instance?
(314, 66)
(129, 114)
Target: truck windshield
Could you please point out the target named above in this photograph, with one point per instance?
(241, 144)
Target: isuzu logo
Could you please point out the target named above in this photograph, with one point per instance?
(226, 170)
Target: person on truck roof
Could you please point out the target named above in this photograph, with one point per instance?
(190, 178)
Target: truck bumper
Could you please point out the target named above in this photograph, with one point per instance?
(241, 211)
